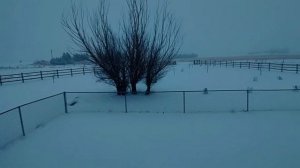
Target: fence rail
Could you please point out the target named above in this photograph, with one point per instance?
(251, 65)
(41, 75)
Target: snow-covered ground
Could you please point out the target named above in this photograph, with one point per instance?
(183, 77)
(97, 133)
(256, 139)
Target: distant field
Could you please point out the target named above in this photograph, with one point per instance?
(293, 59)
(288, 59)
(89, 136)
(183, 76)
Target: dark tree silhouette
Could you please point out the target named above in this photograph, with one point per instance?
(163, 46)
(135, 40)
(150, 46)
(144, 50)
(95, 37)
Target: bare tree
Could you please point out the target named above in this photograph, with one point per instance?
(135, 40)
(95, 37)
(141, 52)
(149, 54)
(163, 46)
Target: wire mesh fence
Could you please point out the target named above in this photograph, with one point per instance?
(10, 126)
(24, 119)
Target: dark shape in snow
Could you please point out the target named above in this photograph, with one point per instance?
(39, 126)
(205, 91)
(75, 101)
(296, 88)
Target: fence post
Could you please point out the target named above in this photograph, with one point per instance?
(83, 71)
(22, 76)
(183, 96)
(65, 102)
(226, 63)
(57, 73)
(207, 69)
(21, 121)
(0, 80)
(233, 64)
(248, 100)
(71, 72)
(269, 66)
(41, 73)
(125, 99)
(240, 65)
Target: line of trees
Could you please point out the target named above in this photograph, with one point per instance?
(143, 50)
(66, 59)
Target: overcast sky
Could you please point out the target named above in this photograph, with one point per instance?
(30, 29)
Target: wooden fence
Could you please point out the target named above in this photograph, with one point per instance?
(41, 75)
(251, 65)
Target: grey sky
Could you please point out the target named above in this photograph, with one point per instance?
(31, 28)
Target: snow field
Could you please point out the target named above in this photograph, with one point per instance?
(189, 102)
(182, 77)
(257, 139)
(108, 137)
(33, 116)
(36, 114)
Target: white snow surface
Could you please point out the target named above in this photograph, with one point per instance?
(97, 133)
(257, 139)
(183, 76)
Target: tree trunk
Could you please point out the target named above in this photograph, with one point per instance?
(121, 90)
(148, 91)
(133, 88)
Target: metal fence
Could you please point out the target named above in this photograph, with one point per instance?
(251, 65)
(25, 118)
(41, 75)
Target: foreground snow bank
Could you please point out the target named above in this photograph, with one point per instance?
(254, 139)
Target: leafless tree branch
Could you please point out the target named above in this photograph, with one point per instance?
(100, 43)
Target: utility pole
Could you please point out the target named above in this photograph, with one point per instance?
(51, 54)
